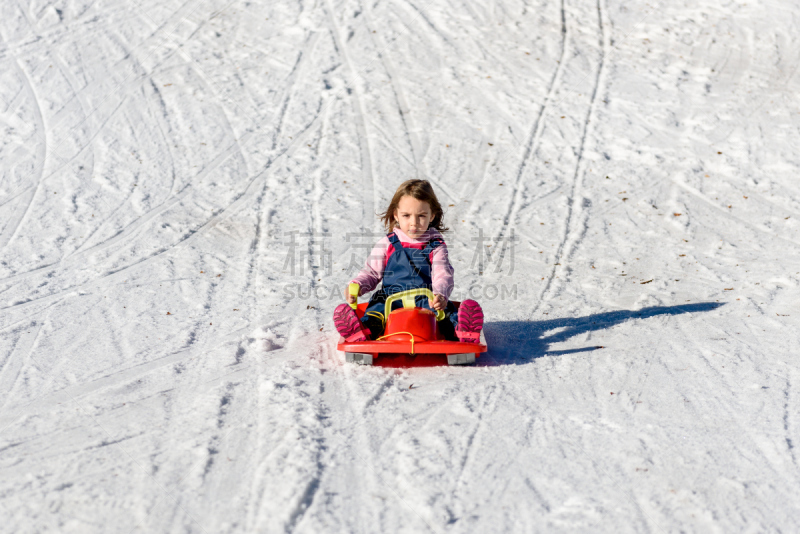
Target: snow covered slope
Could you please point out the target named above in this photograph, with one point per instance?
(187, 186)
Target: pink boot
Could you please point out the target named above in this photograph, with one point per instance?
(470, 322)
(348, 325)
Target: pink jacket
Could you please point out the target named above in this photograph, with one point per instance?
(441, 271)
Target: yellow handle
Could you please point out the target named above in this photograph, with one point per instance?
(354, 289)
(409, 300)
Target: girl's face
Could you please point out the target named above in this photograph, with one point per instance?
(413, 216)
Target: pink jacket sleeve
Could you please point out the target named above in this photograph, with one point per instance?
(372, 273)
(442, 272)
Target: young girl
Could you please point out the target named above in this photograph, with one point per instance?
(413, 255)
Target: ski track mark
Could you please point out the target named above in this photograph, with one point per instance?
(402, 105)
(219, 159)
(194, 65)
(470, 187)
(778, 471)
(533, 138)
(720, 209)
(80, 26)
(308, 48)
(403, 109)
(334, 397)
(381, 389)
(5, 241)
(78, 94)
(256, 253)
(391, 144)
(263, 213)
(421, 14)
(115, 444)
(357, 438)
(132, 374)
(312, 488)
(137, 225)
(173, 199)
(107, 278)
(538, 127)
(786, 417)
(470, 454)
(11, 370)
(13, 327)
(160, 119)
(316, 225)
(131, 78)
(83, 103)
(357, 443)
(84, 106)
(369, 180)
(566, 248)
(11, 230)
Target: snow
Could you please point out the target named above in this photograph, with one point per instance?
(188, 186)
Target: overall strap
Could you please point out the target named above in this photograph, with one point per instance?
(394, 244)
(432, 245)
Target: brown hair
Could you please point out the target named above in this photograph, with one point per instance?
(422, 191)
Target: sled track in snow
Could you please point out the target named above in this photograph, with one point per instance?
(403, 109)
(536, 130)
(402, 104)
(126, 81)
(569, 244)
(698, 412)
(368, 176)
(6, 238)
(237, 144)
(12, 228)
(221, 213)
(470, 455)
(130, 375)
(530, 148)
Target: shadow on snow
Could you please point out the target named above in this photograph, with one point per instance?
(516, 342)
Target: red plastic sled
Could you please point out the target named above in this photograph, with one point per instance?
(411, 338)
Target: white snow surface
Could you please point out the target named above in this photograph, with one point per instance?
(168, 361)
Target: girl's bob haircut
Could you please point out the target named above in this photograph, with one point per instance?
(422, 191)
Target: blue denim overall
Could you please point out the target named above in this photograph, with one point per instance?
(407, 268)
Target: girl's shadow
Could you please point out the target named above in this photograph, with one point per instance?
(515, 342)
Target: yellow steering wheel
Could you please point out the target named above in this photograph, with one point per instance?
(409, 300)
